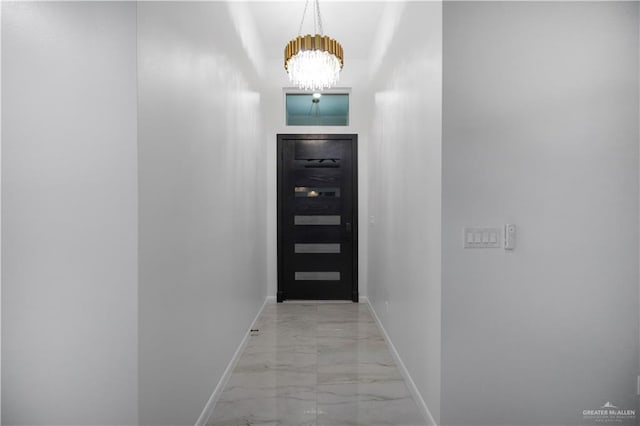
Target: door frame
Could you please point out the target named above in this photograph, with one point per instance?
(281, 138)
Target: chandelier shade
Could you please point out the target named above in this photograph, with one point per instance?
(313, 62)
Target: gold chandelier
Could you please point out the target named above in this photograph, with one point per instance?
(313, 62)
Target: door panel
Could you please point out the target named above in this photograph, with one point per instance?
(317, 217)
(317, 220)
(317, 248)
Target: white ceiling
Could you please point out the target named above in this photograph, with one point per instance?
(353, 23)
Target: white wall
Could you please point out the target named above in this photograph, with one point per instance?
(202, 203)
(405, 189)
(540, 130)
(69, 213)
(1, 214)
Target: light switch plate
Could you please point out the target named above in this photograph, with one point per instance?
(509, 237)
(482, 237)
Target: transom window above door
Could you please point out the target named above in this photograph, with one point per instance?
(317, 109)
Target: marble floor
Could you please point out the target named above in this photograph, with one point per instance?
(316, 364)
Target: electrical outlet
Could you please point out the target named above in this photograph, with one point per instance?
(386, 305)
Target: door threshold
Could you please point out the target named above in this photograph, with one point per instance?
(307, 302)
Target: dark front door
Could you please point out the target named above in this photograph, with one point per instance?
(317, 217)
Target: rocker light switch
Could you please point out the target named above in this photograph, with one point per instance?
(482, 237)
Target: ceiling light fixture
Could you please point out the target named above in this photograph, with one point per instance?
(313, 62)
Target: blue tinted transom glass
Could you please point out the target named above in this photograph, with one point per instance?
(328, 109)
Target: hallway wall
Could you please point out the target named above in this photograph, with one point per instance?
(69, 213)
(202, 203)
(405, 189)
(540, 130)
(638, 49)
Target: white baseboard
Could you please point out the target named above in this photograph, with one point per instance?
(215, 396)
(417, 396)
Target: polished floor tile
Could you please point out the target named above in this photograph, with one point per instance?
(316, 364)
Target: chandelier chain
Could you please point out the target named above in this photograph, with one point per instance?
(315, 22)
(304, 13)
(317, 18)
